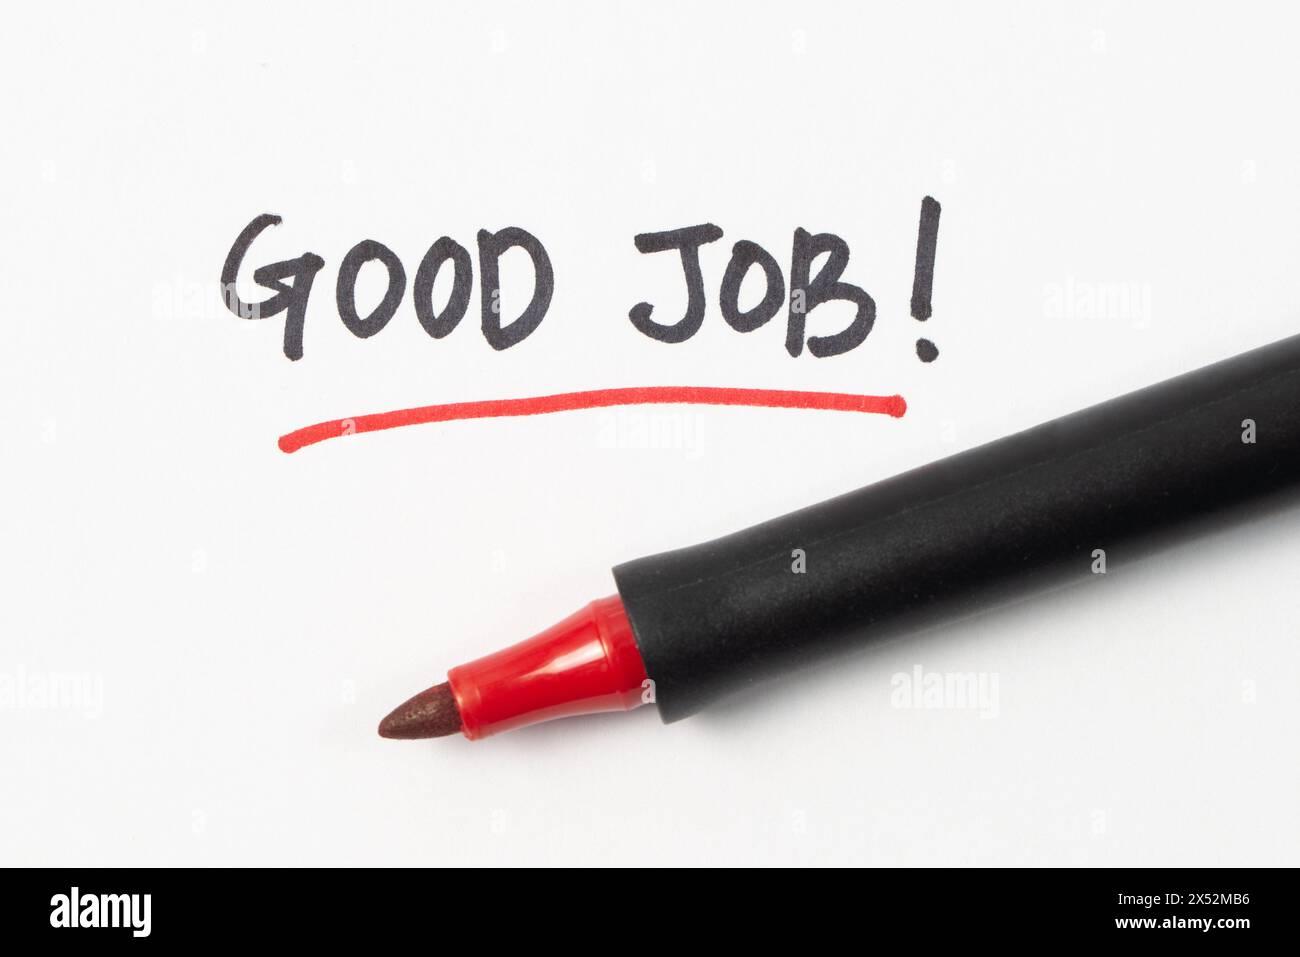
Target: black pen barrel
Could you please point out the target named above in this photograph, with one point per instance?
(1057, 504)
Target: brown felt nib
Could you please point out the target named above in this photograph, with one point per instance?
(430, 714)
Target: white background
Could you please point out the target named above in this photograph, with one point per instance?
(248, 616)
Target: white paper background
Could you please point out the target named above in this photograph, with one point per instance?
(249, 616)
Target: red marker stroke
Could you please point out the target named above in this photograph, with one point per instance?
(893, 405)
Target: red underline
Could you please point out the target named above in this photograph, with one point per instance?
(893, 405)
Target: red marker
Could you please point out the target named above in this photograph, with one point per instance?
(587, 663)
(1025, 513)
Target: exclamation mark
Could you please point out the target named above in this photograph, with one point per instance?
(927, 237)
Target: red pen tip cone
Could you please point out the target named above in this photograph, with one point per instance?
(430, 714)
